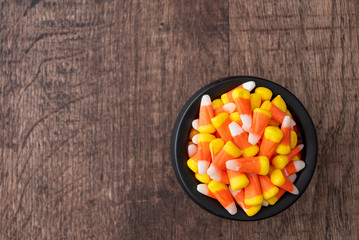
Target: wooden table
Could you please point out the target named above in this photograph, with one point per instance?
(90, 91)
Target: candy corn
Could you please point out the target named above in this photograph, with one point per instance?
(214, 146)
(281, 180)
(284, 145)
(258, 165)
(269, 190)
(281, 191)
(260, 121)
(195, 124)
(204, 178)
(217, 103)
(236, 118)
(241, 139)
(203, 188)
(279, 103)
(221, 123)
(255, 99)
(265, 93)
(227, 97)
(295, 151)
(252, 192)
(245, 146)
(223, 195)
(293, 167)
(229, 151)
(239, 197)
(280, 161)
(205, 115)
(271, 138)
(192, 150)
(243, 105)
(228, 108)
(203, 152)
(237, 180)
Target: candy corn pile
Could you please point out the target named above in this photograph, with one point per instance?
(244, 147)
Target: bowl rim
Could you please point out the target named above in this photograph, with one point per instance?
(176, 136)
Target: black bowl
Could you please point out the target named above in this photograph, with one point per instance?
(183, 126)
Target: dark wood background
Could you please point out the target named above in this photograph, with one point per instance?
(90, 91)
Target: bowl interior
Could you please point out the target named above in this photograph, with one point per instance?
(182, 128)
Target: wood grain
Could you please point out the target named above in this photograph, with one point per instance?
(90, 90)
(311, 48)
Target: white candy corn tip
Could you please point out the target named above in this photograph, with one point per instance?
(195, 138)
(247, 122)
(202, 167)
(195, 124)
(206, 100)
(286, 122)
(292, 177)
(192, 150)
(253, 138)
(295, 190)
(300, 146)
(212, 171)
(232, 165)
(292, 123)
(203, 188)
(235, 129)
(229, 108)
(249, 85)
(216, 177)
(265, 203)
(231, 208)
(299, 165)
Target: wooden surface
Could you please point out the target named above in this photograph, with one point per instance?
(89, 92)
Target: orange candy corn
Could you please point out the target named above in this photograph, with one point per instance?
(228, 108)
(274, 199)
(284, 145)
(277, 114)
(293, 167)
(238, 180)
(227, 97)
(205, 115)
(253, 192)
(203, 188)
(203, 152)
(223, 195)
(239, 197)
(271, 138)
(241, 98)
(281, 180)
(269, 190)
(295, 151)
(261, 119)
(229, 151)
(240, 137)
(258, 165)
(221, 122)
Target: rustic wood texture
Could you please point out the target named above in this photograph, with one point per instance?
(90, 91)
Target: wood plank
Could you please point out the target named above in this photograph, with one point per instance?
(89, 93)
(312, 49)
